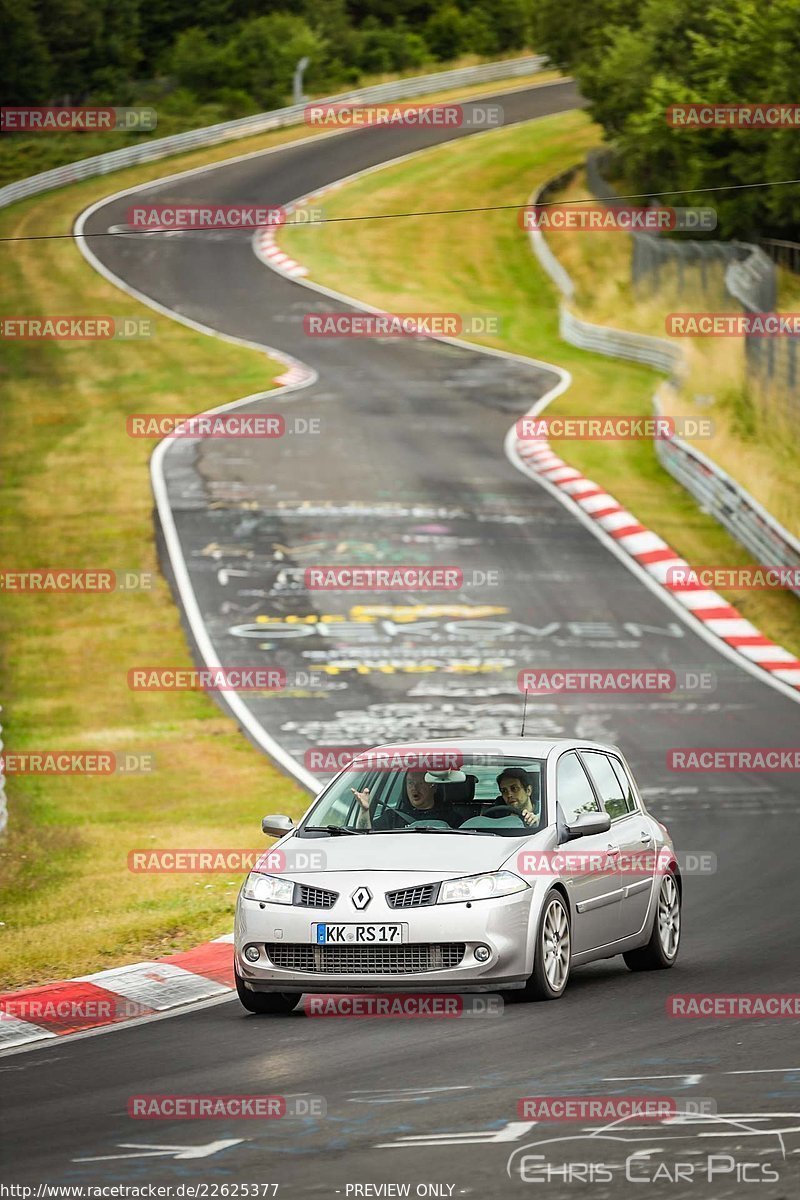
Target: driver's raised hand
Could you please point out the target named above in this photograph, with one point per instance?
(362, 798)
(363, 819)
(529, 817)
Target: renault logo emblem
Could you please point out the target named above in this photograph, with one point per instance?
(361, 897)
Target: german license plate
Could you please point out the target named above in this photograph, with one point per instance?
(325, 934)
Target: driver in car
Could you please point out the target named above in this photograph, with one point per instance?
(516, 788)
(420, 803)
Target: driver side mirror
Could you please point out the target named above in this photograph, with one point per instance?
(276, 825)
(588, 823)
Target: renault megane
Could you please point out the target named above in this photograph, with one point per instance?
(461, 866)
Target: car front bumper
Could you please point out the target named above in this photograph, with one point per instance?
(503, 924)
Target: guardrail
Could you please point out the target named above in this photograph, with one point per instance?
(733, 507)
(212, 135)
(617, 343)
(742, 271)
(749, 275)
(620, 343)
(753, 280)
(717, 493)
(784, 254)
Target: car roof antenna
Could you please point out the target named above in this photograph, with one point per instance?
(524, 711)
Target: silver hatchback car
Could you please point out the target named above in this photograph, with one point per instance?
(464, 866)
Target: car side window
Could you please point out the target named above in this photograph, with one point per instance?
(381, 798)
(630, 798)
(388, 792)
(573, 789)
(613, 795)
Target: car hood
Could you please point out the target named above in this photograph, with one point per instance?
(436, 854)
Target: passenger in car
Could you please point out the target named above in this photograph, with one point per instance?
(516, 788)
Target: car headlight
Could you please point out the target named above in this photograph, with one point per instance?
(480, 887)
(268, 888)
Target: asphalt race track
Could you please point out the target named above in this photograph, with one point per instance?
(409, 467)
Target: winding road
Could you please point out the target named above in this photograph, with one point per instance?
(409, 467)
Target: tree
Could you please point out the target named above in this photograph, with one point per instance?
(72, 31)
(201, 66)
(445, 33)
(265, 52)
(633, 63)
(117, 52)
(162, 24)
(569, 34)
(509, 21)
(25, 66)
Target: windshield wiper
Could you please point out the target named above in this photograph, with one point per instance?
(333, 830)
(430, 829)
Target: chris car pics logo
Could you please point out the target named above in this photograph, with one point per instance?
(725, 1151)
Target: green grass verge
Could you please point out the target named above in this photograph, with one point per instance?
(76, 492)
(480, 262)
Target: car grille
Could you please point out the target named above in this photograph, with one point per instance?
(365, 960)
(314, 897)
(412, 897)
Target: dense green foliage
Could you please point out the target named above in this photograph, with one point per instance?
(239, 53)
(198, 62)
(634, 58)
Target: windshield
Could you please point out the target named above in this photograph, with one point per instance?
(487, 794)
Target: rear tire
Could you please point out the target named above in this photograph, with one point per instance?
(265, 1003)
(553, 954)
(661, 951)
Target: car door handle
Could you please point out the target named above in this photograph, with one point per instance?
(612, 849)
(646, 838)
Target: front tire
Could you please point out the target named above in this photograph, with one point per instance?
(553, 954)
(265, 1003)
(661, 951)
